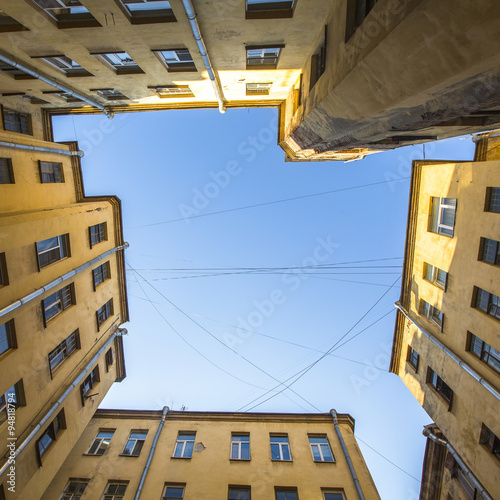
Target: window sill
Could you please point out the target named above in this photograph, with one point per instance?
(324, 461)
(240, 459)
(128, 456)
(281, 461)
(181, 458)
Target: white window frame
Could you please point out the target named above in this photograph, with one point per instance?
(184, 442)
(319, 447)
(436, 225)
(77, 492)
(135, 441)
(60, 242)
(281, 447)
(238, 443)
(432, 273)
(429, 311)
(101, 443)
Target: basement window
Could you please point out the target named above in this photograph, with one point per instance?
(263, 9)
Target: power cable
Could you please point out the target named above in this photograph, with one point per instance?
(268, 203)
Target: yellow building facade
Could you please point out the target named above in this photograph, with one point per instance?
(62, 301)
(212, 455)
(447, 337)
(348, 77)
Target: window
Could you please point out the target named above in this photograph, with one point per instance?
(10, 400)
(109, 358)
(357, 10)
(492, 199)
(184, 445)
(32, 99)
(98, 233)
(261, 9)
(320, 449)
(4, 277)
(100, 274)
(437, 383)
(412, 358)
(239, 493)
(6, 173)
(173, 491)
(51, 171)
(9, 24)
(65, 96)
(490, 441)
(57, 302)
(486, 302)
(7, 336)
(176, 60)
(120, 62)
(435, 275)
(15, 121)
(442, 215)
(483, 351)
(333, 495)
(432, 313)
(115, 490)
(110, 94)
(52, 250)
(18, 74)
(135, 443)
(68, 13)
(173, 91)
(264, 57)
(240, 447)
(65, 65)
(101, 442)
(89, 383)
(149, 11)
(286, 494)
(280, 449)
(63, 351)
(489, 251)
(50, 435)
(74, 489)
(318, 62)
(104, 312)
(258, 88)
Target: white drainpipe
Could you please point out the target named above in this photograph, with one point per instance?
(54, 83)
(151, 453)
(27, 298)
(492, 390)
(428, 432)
(16, 145)
(195, 28)
(347, 456)
(60, 401)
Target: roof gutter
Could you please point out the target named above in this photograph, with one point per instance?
(151, 453)
(16, 145)
(347, 456)
(54, 83)
(492, 390)
(429, 432)
(60, 401)
(195, 28)
(27, 298)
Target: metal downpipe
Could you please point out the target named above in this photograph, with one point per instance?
(428, 432)
(16, 145)
(27, 298)
(166, 409)
(59, 402)
(492, 390)
(195, 28)
(347, 456)
(54, 83)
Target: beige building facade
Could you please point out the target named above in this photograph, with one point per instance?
(213, 455)
(62, 302)
(447, 337)
(348, 77)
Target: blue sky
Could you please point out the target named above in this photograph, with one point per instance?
(206, 334)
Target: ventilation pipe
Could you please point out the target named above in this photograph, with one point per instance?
(347, 456)
(151, 453)
(195, 28)
(451, 354)
(16, 145)
(429, 432)
(54, 83)
(27, 298)
(60, 401)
